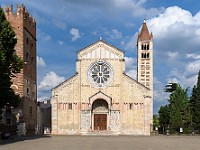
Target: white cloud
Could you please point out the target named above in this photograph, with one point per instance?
(192, 67)
(50, 81)
(131, 43)
(40, 99)
(171, 20)
(75, 34)
(47, 38)
(136, 7)
(115, 34)
(111, 34)
(172, 55)
(59, 24)
(131, 67)
(43, 36)
(159, 94)
(193, 56)
(60, 42)
(176, 38)
(182, 78)
(40, 62)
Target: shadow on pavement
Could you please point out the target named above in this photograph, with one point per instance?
(22, 138)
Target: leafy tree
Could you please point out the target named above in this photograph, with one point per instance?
(155, 121)
(10, 63)
(164, 117)
(179, 115)
(195, 104)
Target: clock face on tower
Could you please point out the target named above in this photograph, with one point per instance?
(100, 74)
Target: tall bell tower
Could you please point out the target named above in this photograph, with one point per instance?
(145, 57)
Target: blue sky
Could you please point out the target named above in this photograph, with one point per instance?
(66, 26)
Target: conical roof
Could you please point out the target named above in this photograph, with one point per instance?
(144, 34)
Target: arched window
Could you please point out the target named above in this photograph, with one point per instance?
(147, 55)
(147, 46)
(142, 47)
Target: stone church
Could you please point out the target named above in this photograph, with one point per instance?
(101, 98)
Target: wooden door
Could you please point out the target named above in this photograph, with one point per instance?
(100, 121)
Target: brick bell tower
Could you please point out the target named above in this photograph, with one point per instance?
(145, 57)
(24, 83)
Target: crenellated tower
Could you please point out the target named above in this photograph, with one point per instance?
(24, 83)
(145, 57)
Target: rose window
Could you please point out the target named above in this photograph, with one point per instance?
(100, 74)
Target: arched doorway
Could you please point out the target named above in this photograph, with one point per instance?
(100, 114)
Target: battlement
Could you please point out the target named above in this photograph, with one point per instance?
(21, 19)
(21, 11)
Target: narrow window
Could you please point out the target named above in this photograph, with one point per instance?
(27, 91)
(147, 55)
(130, 105)
(69, 105)
(147, 46)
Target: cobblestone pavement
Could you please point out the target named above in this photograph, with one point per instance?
(102, 143)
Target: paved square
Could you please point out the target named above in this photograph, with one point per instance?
(103, 143)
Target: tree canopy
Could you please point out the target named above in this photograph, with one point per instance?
(179, 109)
(195, 104)
(10, 63)
(176, 114)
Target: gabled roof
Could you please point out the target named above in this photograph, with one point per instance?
(65, 81)
(144, 33)
(100, 40)
(136, 81)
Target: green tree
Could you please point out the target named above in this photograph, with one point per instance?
(195, 104)
(164, 117)
(179, 115)
(155, 121)
(10, 63)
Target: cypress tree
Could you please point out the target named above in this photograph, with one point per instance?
(179, 115)
(195, 104)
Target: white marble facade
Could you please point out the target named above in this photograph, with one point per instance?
(101, 97)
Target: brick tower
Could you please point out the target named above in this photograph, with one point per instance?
(25, 82)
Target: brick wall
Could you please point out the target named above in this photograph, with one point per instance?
(25, 81)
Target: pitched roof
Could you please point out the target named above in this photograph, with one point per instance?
(136, 81)
(144, 33)
(100, 40)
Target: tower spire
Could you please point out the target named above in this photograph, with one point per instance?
(144, 33)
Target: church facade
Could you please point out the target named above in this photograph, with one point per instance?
(101, 97)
